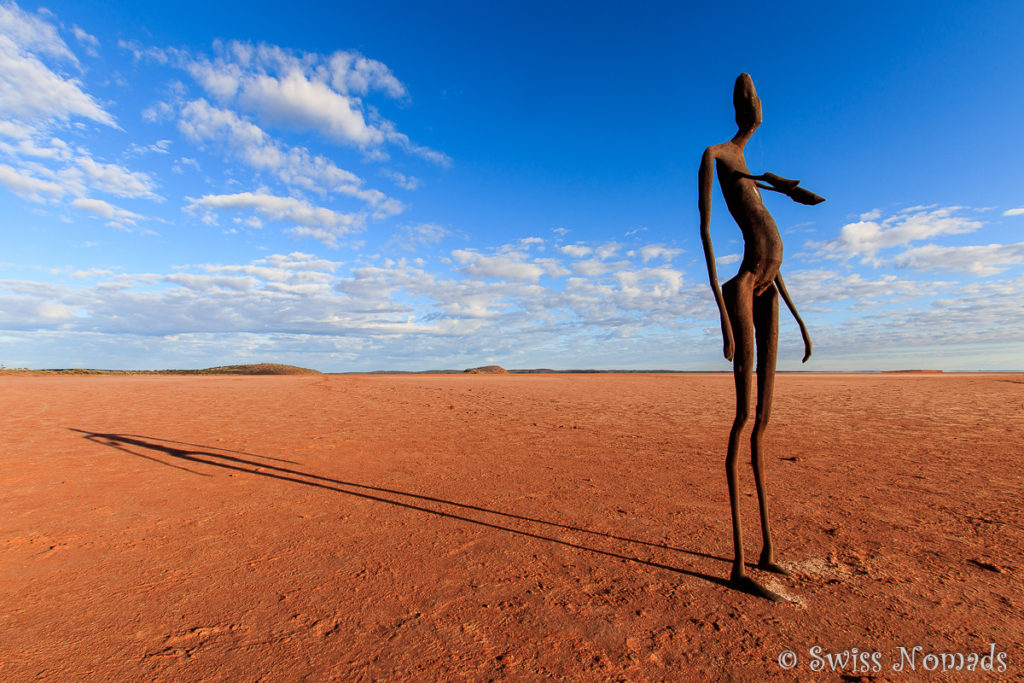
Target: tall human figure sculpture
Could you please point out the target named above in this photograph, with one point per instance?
(749, 307)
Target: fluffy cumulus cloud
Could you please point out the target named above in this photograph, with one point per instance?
(575, 250)
(45, 106)
(871, 234)
(827, 290)
(296, 167)
(42, 98)
(114, 178)
(254, 93)
(27, 186)
(116, 217)
(513, 302)
(321, 223)
(874, 240)
(484, 302)
(307, 92)
(510, 266)
(657, 251)
(969, 322)
(981, 260)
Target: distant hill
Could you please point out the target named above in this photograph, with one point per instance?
(488, 370)
(257, 369)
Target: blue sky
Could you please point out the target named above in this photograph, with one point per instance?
(380, 186)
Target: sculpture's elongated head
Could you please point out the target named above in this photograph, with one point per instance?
(747, 104)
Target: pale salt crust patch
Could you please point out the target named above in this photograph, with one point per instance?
(778, 589)
(817, 567)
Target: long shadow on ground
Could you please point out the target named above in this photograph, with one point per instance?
(207, 456)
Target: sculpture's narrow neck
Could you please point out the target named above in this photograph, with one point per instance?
(743, 135)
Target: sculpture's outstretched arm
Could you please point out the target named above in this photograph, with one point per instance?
(792, 309)
(705, 185)
(785, 186)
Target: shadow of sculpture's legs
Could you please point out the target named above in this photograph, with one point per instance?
(766, 332)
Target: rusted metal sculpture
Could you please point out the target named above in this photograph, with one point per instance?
(749, 306)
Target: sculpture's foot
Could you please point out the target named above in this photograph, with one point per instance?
(751, 587)
(774, 568)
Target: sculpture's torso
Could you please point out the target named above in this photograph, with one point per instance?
(762, 244)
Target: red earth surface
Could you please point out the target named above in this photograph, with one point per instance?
(519, 527)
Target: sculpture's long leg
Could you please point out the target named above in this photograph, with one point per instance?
(738, 296)
(738, 293)
(766, 332)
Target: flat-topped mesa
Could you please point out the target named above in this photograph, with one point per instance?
(487, 370)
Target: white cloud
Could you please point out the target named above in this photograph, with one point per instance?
(155, 54)
(36, 99)
(508, 266)
(866, 237)
(528, 242)
(73, 170)
(827, 288)
(653, 251)
(575, 250)
(295, 166)
(308, 92)
(353, 73)
(591, 267)
(32, 33)
(607, 250)
(294, 267)
(114, 178)
(205, 283)
(981, 260)
(116, 216)
(90, 274)
(552, 268)
(89, 41)
(403, 181)
(423, 233)
(1014, 212)
(27, 186)
(296, 101)
(661, 282)
(395, 314)
(403, 141)
(964, 328)
(318, 222)
(179, 165)
(30, 92)
(221, 82)
(158, 147)
(158, 112)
